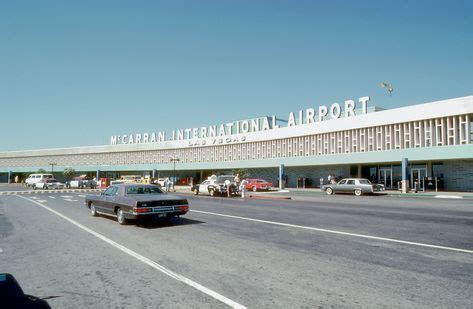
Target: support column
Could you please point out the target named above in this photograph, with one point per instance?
(429, 169)
(9, 176)
(282, 185)
(405, 173)
(359, 171)
(97, 175)
(153, 174)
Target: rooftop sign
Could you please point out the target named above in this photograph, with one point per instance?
(237, 129)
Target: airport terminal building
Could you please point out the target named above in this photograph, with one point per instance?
(342, 139)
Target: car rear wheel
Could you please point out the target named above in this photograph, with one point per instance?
(196, 192)
(357, 192)
(121, 217)
(255, 189)
(212, 192)
(329, 191)
(93, 212)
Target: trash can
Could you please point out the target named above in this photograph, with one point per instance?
(104, 182)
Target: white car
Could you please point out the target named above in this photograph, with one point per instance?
(203, 188)
(49, 183)
(33, 179)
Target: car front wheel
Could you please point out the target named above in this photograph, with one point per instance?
(121, 217)
(255, 189)
(357, 192)
(93, 212)
(196, 192)
(329, 191)
(212, 192)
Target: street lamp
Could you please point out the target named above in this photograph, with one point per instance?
(388, 87)
(52, 167)
(174, 160)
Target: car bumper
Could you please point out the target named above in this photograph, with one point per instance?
(157, 212)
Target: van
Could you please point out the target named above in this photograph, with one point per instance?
(33, 179)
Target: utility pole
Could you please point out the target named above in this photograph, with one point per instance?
(52, 167)
(174, 160)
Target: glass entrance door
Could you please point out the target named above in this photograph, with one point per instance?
(386, 178)
(418, 175)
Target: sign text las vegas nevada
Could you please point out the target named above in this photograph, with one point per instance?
(237, 128)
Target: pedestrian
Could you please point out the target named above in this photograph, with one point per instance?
(227, 186)
(237, 180)
(16, 179)
(167, 184)
(243, 187)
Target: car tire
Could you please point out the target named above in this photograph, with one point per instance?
(93, 212)
(358, 192)
(121, 217)
(212, 192)
(255, 189)
(196, 192)
(45, 188)
(329, 191)
(34, 187)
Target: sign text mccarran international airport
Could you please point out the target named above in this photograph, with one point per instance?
(236, 129)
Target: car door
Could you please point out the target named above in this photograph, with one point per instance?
(204, 187)
(110, 200)
(101, 200)
(340, 186)
(350, 186)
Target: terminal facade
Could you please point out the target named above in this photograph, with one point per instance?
(345, 140)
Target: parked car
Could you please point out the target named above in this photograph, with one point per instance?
(258, 184)
(357, 186)
(221, 185)
(202, 188)
(82, 182)
(33, 179)
(49, 183)
(136, 201)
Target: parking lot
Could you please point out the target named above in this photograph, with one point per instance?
(334, 251)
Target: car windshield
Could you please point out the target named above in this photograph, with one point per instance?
(143, 190)
(364, 182)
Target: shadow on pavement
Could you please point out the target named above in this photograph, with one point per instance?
(12, 296)
(153, 224)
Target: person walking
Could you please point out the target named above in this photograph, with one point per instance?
(243, 188)
(167, 184)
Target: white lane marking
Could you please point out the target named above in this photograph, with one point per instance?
(66, 196)
(448, 196)
(81, 195)
(70, 200)
(336, 232)
(51, 197)
(35, 197)
(41, 201)
(146, 260)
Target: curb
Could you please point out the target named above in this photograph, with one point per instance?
(271, 197)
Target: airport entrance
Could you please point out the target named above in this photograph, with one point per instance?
(418, 175)
(386, 177)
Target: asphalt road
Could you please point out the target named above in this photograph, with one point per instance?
(334, 251)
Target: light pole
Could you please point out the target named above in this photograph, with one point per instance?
(174, 160)
(52, 167)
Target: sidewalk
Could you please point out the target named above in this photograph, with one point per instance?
(397, 193)
(290, 192)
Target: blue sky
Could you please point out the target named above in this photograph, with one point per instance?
(76, 72)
